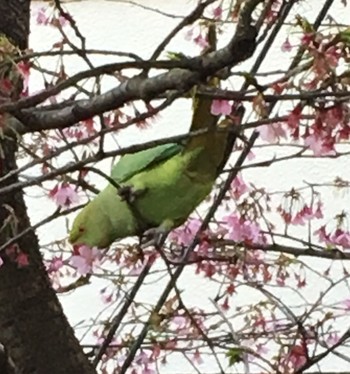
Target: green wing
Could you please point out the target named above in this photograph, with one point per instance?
(134, 163)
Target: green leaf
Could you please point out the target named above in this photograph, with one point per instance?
(234, 356)
(178, 56)
(345, 36)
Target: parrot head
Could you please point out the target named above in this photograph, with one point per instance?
(85, 230)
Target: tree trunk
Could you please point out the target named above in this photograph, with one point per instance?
(33, 328)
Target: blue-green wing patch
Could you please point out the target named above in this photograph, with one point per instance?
(134, 163)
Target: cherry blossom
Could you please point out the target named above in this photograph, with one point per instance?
(241, 230)
(338, 237)
(286, 46)
(196, 35)
(294, 359)
(41, 17)
(333, 337)
(272, 132)
(319, 145)
(238, 187)
(341, 238)
(16, 255)
(85, 259)
(322, 235)
(64, 195)
(294, 120)
(217, 12)
(346, 304)
(201, 41)
(197, 358)
(184, 235)
(24, 69)
(220, 107)
(55, 264)
(297, 356)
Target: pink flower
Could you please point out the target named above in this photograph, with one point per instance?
(298, 219)
(322, 235)
(201, 41)
(332, 339)
(318, 145)
(297, 356)
(184, 234)
(318, 212)
(346, 304)
(220, 107)
(271, 133)
(294, 118)
(196, 357)
(189, 34)
(24, 69)
(64, 195)
(55, 264)
(341, 238)
(180, 321)
(195, 34)
(60, 21)
(85, 259)
(41, 17)
(217, 12)
(238, 187)
(240, 230)
(286, 46)
(1, 261)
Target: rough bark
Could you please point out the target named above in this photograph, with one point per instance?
(33, 327)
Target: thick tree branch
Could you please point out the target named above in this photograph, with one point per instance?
(333, 254)
(241, 47)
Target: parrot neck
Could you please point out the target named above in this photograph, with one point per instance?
(207, 151)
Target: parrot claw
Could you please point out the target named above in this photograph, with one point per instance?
(154, 236)
(129, 194)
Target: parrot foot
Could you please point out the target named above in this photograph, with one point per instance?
(129, 194)
(154, 236)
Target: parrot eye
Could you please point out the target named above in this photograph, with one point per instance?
(81, 229)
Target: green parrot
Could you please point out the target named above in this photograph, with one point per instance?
(163, 184)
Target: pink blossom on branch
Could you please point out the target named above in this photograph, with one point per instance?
(85, 259)
(196, 35)
(341, 238)
(286, 46)
(55, 264)
(238, 187)
(24, 70)
(297, 357)
(64, 195)
(338, 237)
(217, 12)
(220, 107)
(272, 133)
(319, 145)
(201, 41)
(184, 234)
(42, 18)
(241, 230)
